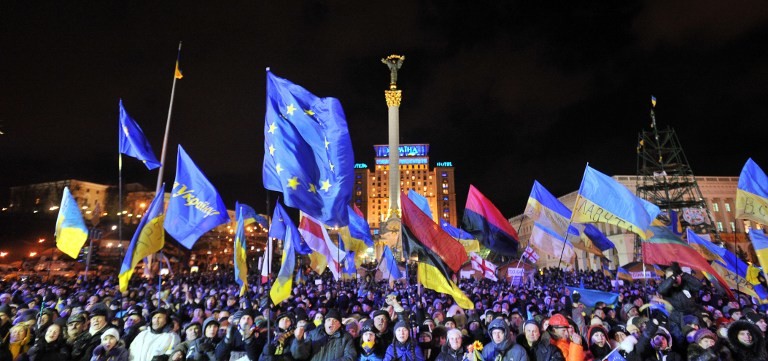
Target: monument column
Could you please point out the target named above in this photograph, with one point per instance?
(393, 97)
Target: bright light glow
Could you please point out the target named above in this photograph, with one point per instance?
(164, 271)
(3, 254)
(216, 267)
(114, 228)
(143, 205)
(194, 269)
(41, 240)
(209, 252)
(88, 212)
(35, 211)
(84, 207)
(50, 209)
(252, 248)
(32, 254)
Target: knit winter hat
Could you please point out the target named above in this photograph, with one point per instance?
(110, 332)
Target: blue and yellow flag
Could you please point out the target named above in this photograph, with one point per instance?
(241, 253)
(598, 238)
(250, 216)
(356, 236)
(148, 239)
(467, 240)
(71, 232)
(195, 206)
(548, 212)
(284, 229)
(752, 194)
(705, 247)
(132, 140)
(604, 200)
(307, 151)
(760, 242)
(622, 273)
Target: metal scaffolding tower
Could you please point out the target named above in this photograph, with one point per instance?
(665, 178)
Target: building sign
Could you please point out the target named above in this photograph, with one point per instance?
(361, 166)
(405, 150)
(444, 164)
(403, 161)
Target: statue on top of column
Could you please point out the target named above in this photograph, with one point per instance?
(394, 62)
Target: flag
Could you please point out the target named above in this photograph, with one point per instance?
(348, 262)
(752, 194)
(598, 238)
(250, 216)
(266, 264)
(736, 278)
(760, 243)
(316, 236)
(356, 236)
(485, 267)
(614, 356)
(603, 200)
(484, 221)
(177, 73)
(307, 151)
(653, 101)
(388, 265)
(70, 226)
(663, 247)
(421, 202)
(623, 274)
(241, 253)
(705, 248)
(550, 243)
(752, 274)
(530, 254)
(195, 206)
(426, 232)
(431, 271)
(591, 297)
(546, 210)
(132, 140)
(467, 240)
(282, 228)
(148, 239)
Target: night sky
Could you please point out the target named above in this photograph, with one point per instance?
(507, 91)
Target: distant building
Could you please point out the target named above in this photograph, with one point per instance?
(718, 192)
(46, 197)
(371, 188)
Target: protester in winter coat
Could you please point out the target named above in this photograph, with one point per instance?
(502, 347)
(370, 347)
(537, 349)
(111, 349)
(597, 340)
(403, 348)
(453, 350)
(327, 343)
(51, 347)
(746, 341)
(204, 348)
(282, 336)
(157, 340)
(566, 338)
(82, 349)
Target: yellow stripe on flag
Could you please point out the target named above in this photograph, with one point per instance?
(432, 278)
(585, 211)
(751, 206)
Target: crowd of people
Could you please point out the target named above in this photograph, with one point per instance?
(201, 316)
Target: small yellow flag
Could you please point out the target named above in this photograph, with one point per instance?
(178, 74)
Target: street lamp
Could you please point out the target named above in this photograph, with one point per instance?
(32, 254)
(3, 254)
(41, 240)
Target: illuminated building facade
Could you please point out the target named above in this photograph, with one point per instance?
(371, 189)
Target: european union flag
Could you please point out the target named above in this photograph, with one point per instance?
(195, 206)
(132, 140)
(307, 151)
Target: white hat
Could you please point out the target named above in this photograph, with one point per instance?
(111, 332)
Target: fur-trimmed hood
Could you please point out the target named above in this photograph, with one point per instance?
(742, 352)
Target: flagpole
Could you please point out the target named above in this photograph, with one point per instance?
(120, 203)
(167, 127)
(565, 243)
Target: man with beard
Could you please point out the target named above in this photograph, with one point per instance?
(157, 340)
(85, 343)
(326, 343)
(502, 347)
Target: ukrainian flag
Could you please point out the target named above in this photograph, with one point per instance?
(70, 226)
(240, 254)
(752, 194)
(283, 228)
(604, 200)
(623, 274)
(760, 242)
(148, 239)
(356, 235)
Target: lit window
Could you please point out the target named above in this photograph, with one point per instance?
(727, 207)
(747, 227)
(733, 227)
(715, 207)
(720, 226)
